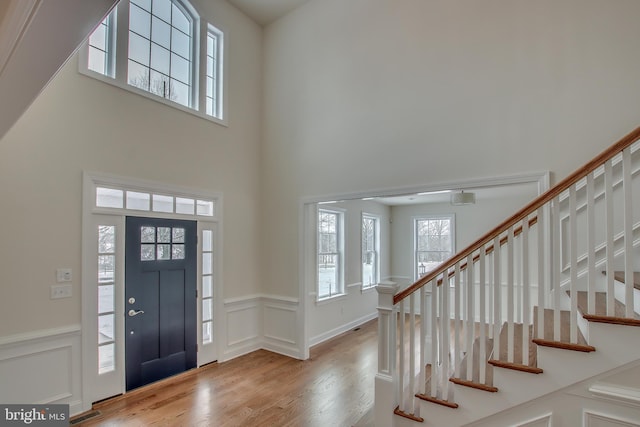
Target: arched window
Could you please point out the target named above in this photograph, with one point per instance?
(155, 48)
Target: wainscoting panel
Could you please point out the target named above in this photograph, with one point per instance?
(243, 320)
(280, 325)
(593, 419)
(544, 421)
(42, 367)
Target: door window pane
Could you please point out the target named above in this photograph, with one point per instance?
(185, 206)
(178, 235)
(148, 234)
(164, 252)
(105, 299)
(106, 268)
(105, 328)
(207, 333)
(177, 251)
(109, 198)
(138, 201)
(106, 239)
(106, 358)
(206, 309)
(147, 252)
(164, 234)
(206, 263)
(162, 203)
(207, 287)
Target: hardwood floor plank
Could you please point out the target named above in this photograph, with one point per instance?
(335, 387)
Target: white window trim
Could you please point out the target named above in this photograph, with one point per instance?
(451, 217)
(95, 386)
(341, 251)
(199, 49)
(377, 250)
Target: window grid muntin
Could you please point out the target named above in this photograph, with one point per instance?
(166, 76)
(106, 53)
(106, 252)
(162, 243)
(197, 104)
(370, 250)
(207, 286)
(434, 242)
(213, 94)
(118, 198)
(329, 231)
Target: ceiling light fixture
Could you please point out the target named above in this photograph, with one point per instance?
(461, 198)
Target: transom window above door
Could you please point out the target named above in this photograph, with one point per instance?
(156, 48)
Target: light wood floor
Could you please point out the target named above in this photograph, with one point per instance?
(334, 387)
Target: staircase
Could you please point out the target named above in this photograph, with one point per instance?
(546, 300)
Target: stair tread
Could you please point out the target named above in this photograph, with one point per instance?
(601, 306)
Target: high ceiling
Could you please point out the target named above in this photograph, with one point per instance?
(265, 12)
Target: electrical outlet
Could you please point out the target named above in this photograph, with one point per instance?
(63, 275)
(61, 291)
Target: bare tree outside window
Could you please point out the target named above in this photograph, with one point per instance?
(433, 243)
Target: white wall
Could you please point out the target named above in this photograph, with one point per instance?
(371, 94)
(331, 317)
(79, 123)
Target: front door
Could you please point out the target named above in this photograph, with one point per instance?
(160, 299)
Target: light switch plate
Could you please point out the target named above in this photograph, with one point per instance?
(63, 275)
(61, 291)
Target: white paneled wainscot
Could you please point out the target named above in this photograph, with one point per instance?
(42, 367)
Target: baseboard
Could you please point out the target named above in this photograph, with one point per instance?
(341, 329)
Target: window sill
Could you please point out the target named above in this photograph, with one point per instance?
(150, 96)
(332, 298)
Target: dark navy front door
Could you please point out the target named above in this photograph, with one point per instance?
(160, 299)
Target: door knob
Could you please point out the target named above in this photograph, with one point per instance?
(135, 312)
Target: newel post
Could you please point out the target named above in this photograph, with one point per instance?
(385, 399)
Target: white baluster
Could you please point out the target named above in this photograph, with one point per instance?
(482, 357)
(541, 272)
(591, 246)
(435, 343)
(510, 296)
(526, 303)
(412, 354)
(401, 355)
(497, 304)
(457, 320)
(423, 340)
(556, 268)
(573, 253)
(608, 195)
(628, 233)
(445, 320)
(470, 329)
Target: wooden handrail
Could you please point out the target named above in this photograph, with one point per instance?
(540, 201)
